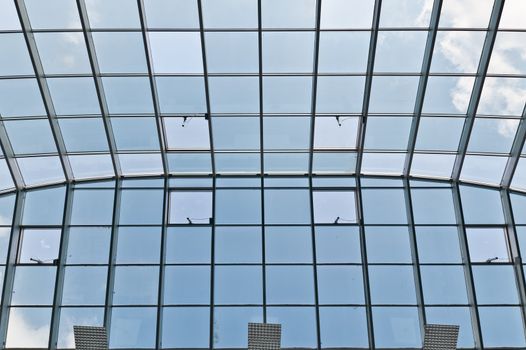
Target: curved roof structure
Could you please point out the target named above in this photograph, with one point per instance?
(100, 89)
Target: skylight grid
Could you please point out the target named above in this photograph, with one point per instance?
(187, 87)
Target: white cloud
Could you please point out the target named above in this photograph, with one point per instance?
(22, 333)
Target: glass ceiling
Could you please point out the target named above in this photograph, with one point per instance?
(421, 88)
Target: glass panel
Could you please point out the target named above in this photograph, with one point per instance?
(438, 244)
(34, 285)
(232, 52)
(188, 245)
(186, 327)
(187, 285)
(133, 327)
(238, 206)
(454, 315)
(286, 133)
(18, 61)
(343, 52)
(300, 323)
(492, 135)
(405, 13)
(230, 13)
(288, 14)
(83, 135)
(432, 206)
(289, 285)
(230, 324)
(238, 285)
(28, 327)
(288, 244)
(234, 94)
(141, 207)
(135, 285)
(172, 13)
(287, 94)
(287, 207)
(392, 285)
(337, 244)
(340, 285)
(8, 15)
(63, 53)
(236, 133)
(84, 285)
(37, 210)
(288, 52)
(487, 245)
(20, 97)
(384, 206)
(335, 132)
(457, 51)
(339, 94)
(113, 14)
(388, 244)
(190, 207)
(447, 95)
(92, 207)
(120, 52)
(346, 14)
(444, 285)
(390, 133)
(481, 206)
(343, 327)
(334, 207)
(38, 131)
(392, 94)
(39, 246)
(88, 245)
(502, 326)
(128, 95)
(70, 317)
(456, 14)
(439, 134)
(396, 327)
(181, 94)
(400, 51)
(138, 245)
(238, 245)
(41, 170)
(495, 285)
(166, 48)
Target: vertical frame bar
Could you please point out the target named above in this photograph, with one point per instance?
(59, 281)
(9, 275)
(414, 254)
(468, 272)
(112, 256)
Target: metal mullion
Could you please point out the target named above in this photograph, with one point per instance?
(212, 274)
(10, 158)
(314, 87)
(81, 5)
(477, 87)
(368, 84)
(516, 257)
(207, 90)
(468, 272)
(9, 272)
(59, 280)
(515, 153)
(44, 90)
(153, 86)
(262, 164)
(365, 264)
(414, 254)
(422, 84)
(314, 262)
(112, 255)
(160, 298)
